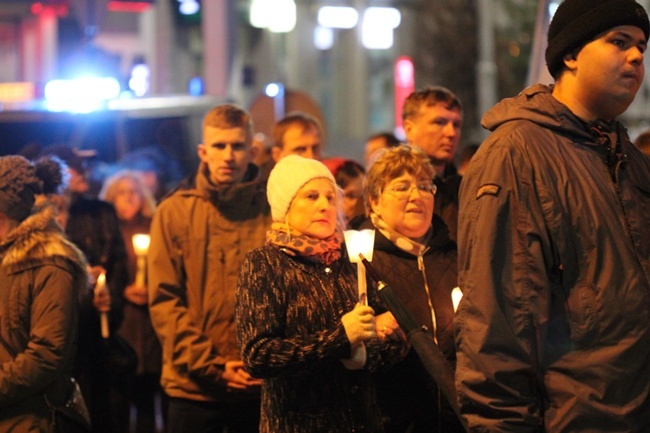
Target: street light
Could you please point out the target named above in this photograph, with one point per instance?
(377, 27)
(279, 16)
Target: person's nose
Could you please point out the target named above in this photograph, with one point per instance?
(450, 130)
(229, 153)
(323, 204)
(418, 194)
(636, 56)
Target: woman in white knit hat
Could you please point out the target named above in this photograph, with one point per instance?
(298, 317)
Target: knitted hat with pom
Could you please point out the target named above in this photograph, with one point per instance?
(287, 177)
(577, 22)
(21, 180)
(18, 185)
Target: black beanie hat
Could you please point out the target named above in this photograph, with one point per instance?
(577, 22)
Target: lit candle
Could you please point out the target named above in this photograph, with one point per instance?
(141, 247)
(456, 296)
(141, 244)
(103, 317)
(360, 242)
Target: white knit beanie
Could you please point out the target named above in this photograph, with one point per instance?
(287, 177)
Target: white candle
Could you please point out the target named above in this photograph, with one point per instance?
(141, 247)
(360, 242)
(103, 317)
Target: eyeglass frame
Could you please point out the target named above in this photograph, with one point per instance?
(422, 188)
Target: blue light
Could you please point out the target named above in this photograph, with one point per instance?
(82, 94)
(196, 86)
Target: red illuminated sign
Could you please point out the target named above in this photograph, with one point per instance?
(404, 85)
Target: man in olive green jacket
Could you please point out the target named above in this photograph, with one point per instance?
(199, 236)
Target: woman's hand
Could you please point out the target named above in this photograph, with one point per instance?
(136, 294)
(387, 327)
(101, 295)
(359, 324)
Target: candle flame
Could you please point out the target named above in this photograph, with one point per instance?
(456, 296)
(141, 244)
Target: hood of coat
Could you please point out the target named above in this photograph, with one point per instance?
(537, 104)
(37, 239)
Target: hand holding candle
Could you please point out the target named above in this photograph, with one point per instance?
(359, 242)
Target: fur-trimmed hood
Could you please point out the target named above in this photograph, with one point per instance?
(37, 239)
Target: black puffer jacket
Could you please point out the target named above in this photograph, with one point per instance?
(407, 394)
(41, 274)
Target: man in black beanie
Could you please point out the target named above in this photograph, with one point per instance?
(553, 331)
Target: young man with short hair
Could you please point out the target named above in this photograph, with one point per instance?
(297, 133)
(199, 236)
(554, 248)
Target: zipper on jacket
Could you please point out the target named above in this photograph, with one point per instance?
(426, 289)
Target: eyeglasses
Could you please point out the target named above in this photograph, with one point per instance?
(403, 190)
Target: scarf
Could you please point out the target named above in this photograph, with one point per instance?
(294, 243)
(400, 241)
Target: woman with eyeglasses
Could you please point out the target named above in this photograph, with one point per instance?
(415, 256)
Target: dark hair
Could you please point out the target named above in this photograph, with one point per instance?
(390, 138)
(303, 120)
(347, 172)
(53, 174)
(429, 96)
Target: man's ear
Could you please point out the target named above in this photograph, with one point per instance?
(200, 150)
(408, 128)
(571, 60)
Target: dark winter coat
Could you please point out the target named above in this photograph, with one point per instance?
(136, 327)
(94, 228)
(553, 331)
(407, 393)
(289, 327)
(41, 274)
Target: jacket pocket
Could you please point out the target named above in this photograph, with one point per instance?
(582, 306)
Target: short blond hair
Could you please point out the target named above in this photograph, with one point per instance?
(391, 163)
(228, 116)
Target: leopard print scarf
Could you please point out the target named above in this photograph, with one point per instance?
(293, 242)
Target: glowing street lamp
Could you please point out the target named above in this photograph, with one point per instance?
(338, 17)
(279, 16)
(377, 27)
